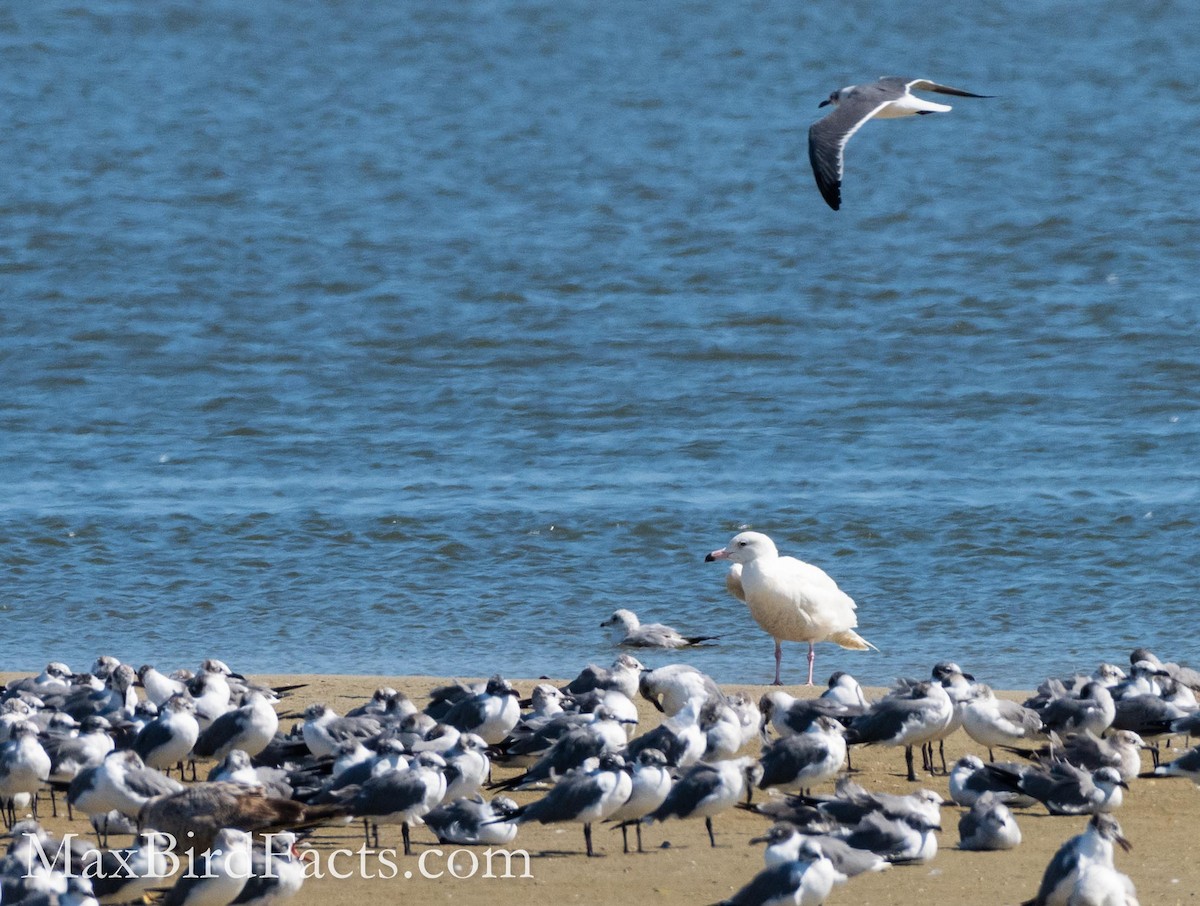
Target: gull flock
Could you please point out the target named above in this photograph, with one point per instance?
(119, 747)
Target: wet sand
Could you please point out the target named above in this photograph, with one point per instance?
(679, 866)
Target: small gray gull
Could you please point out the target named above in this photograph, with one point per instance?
(212, 694)
(616, 701)
(400, 796)
(1092, 711)
(679, 738)
(791, 600)
(851, 802)
(969, 779)
(796, 763)
(652, 781)
(728, 725)
(1184, 675)
(707, 790)
(845, 690)
(386, 704)
(491, 713)
(236, 767)
(783, 845)
(806, 880)
(1147, 715)
(71, 754)
(159, 687)
(474, 822)
(250, 728)
(1186, 765)
(57, 677)
(24, 767)
(912, 717)
(323, 730)
(1093, 847)
(167, 741)
(467, 766)
(1121, 749)
(544, 702)
(586, 795)
(439, 738)
(116, 698)
(1065, 789)
(989, 825)
(671, 687)
(788, 715)
(992, 721)
(127, 875)
(122, 783)
(625, 629)
(277, 872)
(226, 870)
(624, 675)
(603, 734)
(887, 98)
(909, 838)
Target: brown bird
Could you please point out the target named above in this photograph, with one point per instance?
(194, 816)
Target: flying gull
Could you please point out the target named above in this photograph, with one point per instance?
(887, 98)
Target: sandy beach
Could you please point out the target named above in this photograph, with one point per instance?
(680, 867)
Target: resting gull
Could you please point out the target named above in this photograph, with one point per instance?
(626, 629)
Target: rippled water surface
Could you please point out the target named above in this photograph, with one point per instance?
(418, 337)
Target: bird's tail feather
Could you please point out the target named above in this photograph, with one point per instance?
(851, 639)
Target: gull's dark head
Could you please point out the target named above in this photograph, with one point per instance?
(833, 98)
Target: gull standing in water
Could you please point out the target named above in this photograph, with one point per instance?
(888, 98)
(792, 600)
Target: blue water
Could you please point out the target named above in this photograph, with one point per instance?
(418, 337)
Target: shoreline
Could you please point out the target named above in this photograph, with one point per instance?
(679, 866)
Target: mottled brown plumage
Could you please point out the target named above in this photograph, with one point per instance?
(196, 815)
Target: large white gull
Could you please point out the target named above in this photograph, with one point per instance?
(792, 600)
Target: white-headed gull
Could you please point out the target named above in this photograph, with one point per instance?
(792, 600)
(626, 629)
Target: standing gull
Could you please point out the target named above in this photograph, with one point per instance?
(888, 98)
(914, 716)
(707, 790)
(590, 793)
(249, 728)
(790, 599)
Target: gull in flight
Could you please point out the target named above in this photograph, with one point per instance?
(853, 105)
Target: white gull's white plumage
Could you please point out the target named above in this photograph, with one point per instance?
(792, 600)
(888, 98)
